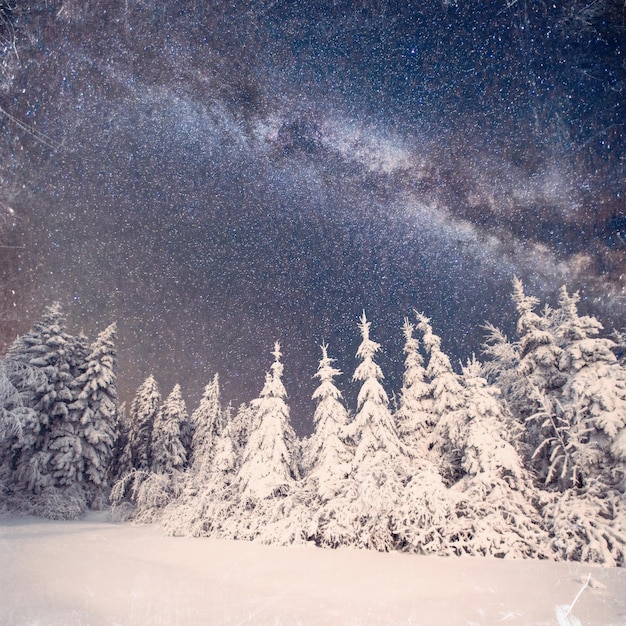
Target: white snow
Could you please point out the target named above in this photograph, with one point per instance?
(94, 572)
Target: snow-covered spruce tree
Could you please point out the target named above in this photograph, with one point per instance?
(495, 502)
(203, 493)
(139, 486)
(143, 412)
(121, 462)
(16, 379)
(584, 430)
(379, 465)
(167, 451)
(595, 389)
(565, 378)
(328, 454)
(448, 400)
(538, 379)
(244, 422)
(206, 425)
(67, 462)
(94, 411)
(327, 486)
(502, 366)
(414, 416)
(269, 470)
(48, 348)
(16, 416)
(269, 463)
(538, 350)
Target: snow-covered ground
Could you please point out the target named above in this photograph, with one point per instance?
(93, 572)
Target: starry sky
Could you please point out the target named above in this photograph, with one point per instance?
(217, 176)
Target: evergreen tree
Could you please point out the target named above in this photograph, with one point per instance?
(502, 366)
(539, 355)
(373, 428)
(328, 455)
(121, 462)
(66, 443)
(584, 437)
(567, 388)
(95, 410)
(143, 411)
(445, 386)
(448, 400)
(594, 392)
(328, 490)
(269, 466)
(167, 451)
(426, 509)
(244, 423)
(49, 451)
(379, 466)
(16, 416)
(414, 416)
(496, 504)
(225, 461)
(206, 424)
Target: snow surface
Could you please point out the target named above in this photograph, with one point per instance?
(94, 572)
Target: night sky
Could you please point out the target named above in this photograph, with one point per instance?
(215, 176)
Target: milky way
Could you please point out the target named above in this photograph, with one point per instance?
(219, 176)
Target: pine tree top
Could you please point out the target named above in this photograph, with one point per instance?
(326, 374)
(368, 348)
(273, 387)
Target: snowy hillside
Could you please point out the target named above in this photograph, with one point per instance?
(102, 574)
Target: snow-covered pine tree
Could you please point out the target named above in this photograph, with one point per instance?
(414, 417)
(206, 425)
(121, 462)
(595, 390)
(16, 379)
(503, 362)
(495, 501)
(584, 430)
(65, 442)
(16, 416)
(49, 451)
(269, 463)
(244, 422)
(447, 402)
(143, 412)
(539, 354)
(563, 379)
(328, 455)
(225, 461)
(327, 490)
(94, 412)
(79, 352)
(186, 436)
(379, 466)
(372, 428)
(167, 451)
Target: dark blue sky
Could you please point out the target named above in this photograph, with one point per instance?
(216, 176)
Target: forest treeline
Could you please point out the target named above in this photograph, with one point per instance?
(522, 454)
